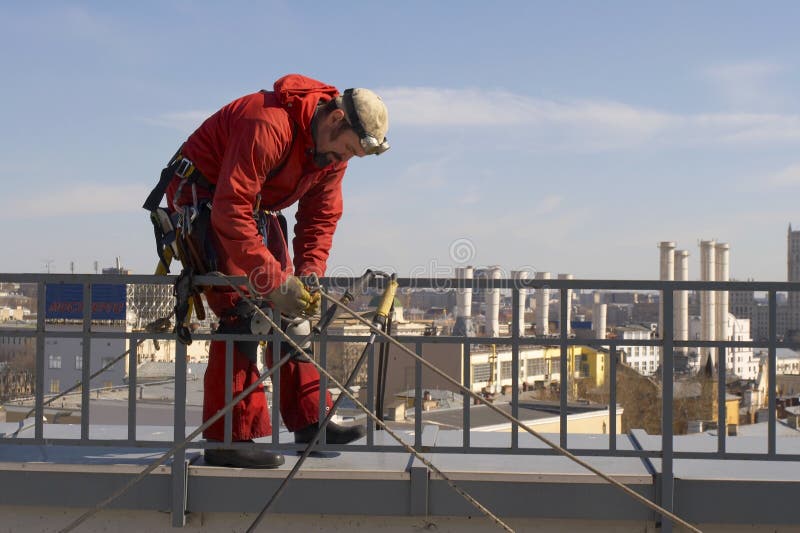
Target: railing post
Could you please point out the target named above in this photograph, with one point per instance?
(667, 480)
(564, 370)
(722, 418)
(515, 333)
(179, 470)
(612, 398)
(418, 399)
(41, 310)
(86, 341)
(467, 371)
(275, 341)
(132, 366)
(370, 404)
(228, 418)
(772, 371)
(323, 379)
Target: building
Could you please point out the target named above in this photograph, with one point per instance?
(543, 417)
(740, 361)
(539, 366)
(643, 359)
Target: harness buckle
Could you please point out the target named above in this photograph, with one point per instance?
(185, 168)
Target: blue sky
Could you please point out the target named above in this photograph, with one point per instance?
(561, 136)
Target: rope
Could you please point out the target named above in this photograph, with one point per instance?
(394, 435)
(630, 492)
(161, 460)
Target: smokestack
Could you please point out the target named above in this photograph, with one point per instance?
(708, 272)
(681, 299)
(523, 293)
(493, 304)
(599, 312)
(568, 303)
(722, 251)
(463, 326)
(543, 306)
(666, 272)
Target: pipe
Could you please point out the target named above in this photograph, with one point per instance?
(543, 306)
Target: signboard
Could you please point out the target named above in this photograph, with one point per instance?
(65, 301)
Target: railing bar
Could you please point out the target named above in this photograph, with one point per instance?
(612, 398)
(228, 418)
(515, 333)
(86, 361)
(276, 381)
(722, 420)
(323, 379)
(370, 394)
(667, 479)
(133, 358)
(564, 372)
(772, 371)
(41, 310)
(467, 371)
(418, 399)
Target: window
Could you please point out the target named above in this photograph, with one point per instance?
(105, 360)
(79, 362)
(55, 361)
(55, 386)
(536, 367)
(505, 370)
(481, 372)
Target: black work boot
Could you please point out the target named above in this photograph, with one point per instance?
(335, 434)
(243, 458)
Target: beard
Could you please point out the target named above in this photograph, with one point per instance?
(323, 159)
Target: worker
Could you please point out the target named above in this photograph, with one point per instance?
(257, 155)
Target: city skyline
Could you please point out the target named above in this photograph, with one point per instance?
(564, 138)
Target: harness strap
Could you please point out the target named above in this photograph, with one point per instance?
(184, 168)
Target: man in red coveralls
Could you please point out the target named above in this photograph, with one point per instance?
(255, 156)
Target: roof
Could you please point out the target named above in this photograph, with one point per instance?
(482, 416)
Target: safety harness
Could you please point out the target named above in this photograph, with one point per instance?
(184, 234)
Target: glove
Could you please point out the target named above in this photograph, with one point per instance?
(293, 299)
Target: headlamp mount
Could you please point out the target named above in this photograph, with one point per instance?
(370, 144)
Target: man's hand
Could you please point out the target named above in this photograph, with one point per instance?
(293, 299)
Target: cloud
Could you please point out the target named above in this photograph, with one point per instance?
(77, 199)
(785, 177)
(527, 123)
(580, 124)
(427, 106)
(548, 204)
(747, 85)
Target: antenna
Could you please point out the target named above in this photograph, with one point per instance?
(47, 264)
(96, 266)
(72, 267)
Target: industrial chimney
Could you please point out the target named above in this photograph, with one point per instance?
(681, 298)
(493, 304)
(708, 272)
(464, 326)
(568, 303)
(523, 294)
(543, 306)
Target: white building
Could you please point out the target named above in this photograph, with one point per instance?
(787, 361)
(643, 359)
(739, 361)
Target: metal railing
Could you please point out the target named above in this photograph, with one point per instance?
(516, 340)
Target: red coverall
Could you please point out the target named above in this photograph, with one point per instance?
(262, 144)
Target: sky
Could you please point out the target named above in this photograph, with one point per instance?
(566, 137)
